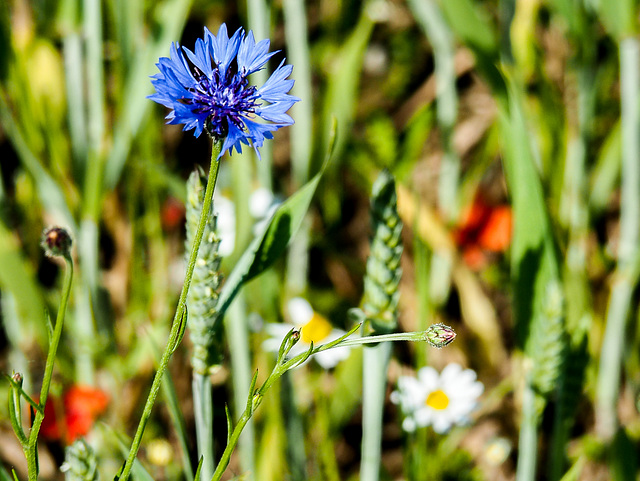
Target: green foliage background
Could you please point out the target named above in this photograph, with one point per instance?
(531, 103)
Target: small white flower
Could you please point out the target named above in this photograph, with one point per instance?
(313, 327)
(440, 400)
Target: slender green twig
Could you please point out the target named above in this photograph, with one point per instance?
(178, 324)
(31, 448)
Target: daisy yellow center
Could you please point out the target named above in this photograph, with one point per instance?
(316, 330)
(437, 400)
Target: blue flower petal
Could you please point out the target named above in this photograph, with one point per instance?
(208, 89)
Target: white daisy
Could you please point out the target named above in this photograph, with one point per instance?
(313, 328)
(440, 400)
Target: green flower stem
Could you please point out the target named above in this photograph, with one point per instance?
(283, 365)
(31, 448)
(418, 336)
(177, 326)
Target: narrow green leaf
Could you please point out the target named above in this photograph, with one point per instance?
(533, 261)
(264, 250)
(342, 88)
(199, 470)
(472, 24)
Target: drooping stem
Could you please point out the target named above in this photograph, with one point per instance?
(31, 449)
(177, 326)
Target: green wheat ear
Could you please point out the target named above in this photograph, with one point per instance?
(80, 463)
(203, 295)
(380, 301)
(548, 344)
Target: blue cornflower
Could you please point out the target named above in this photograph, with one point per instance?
(208, 89)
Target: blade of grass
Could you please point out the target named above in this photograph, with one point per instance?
(169, 19)
(301, 140)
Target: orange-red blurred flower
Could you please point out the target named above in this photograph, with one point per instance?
(172, 214)
(75, 415)
(484, 228)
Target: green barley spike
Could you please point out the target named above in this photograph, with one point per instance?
(380, 301)
(80, 462)
(548, 342)
(203, 295)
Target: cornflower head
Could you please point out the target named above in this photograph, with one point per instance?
(208, 89)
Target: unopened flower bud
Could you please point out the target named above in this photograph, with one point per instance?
(439, 335)
(17, 378)
(295, 335)
(56, 242)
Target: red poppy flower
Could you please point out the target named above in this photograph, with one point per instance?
(484, 228)
(75, 415)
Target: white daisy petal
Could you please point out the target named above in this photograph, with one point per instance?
(300, 311)
(437, 400)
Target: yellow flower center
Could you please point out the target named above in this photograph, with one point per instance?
(437, 400)
(316, 330)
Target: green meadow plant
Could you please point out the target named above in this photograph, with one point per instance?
(450, 169)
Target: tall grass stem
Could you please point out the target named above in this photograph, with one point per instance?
(203, 415)
(374, 383)
(620, 301)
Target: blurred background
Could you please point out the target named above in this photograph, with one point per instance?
(512, 129)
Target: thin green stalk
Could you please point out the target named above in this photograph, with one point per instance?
(255, 396)
(374, 383)
(283, 365)
(238, 336)
(295, 25)
(528, 439)
(72, 51)
(620, 302)
(178, 324)
(94, 166)
(32, 447)
(203, 414)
